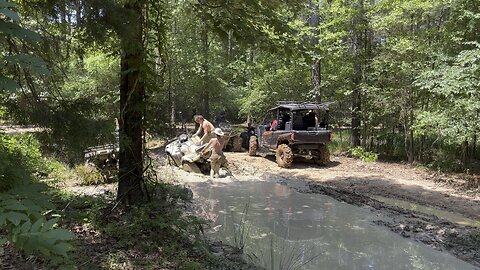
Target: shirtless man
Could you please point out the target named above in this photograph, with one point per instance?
(206, 127)
(217, 159)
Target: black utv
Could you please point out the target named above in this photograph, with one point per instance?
(294, 130)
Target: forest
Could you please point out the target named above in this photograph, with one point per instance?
(402, 78)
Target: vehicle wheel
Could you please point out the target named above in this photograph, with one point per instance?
(191, 167)
(323, 157)
(253, 146)
(236, 144)
(284, 156)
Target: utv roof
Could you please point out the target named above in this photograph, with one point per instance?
(295, 106)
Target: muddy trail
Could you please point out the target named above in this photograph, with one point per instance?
(441, 211)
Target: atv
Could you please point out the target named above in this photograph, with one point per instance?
(183, 152)
(294, 129)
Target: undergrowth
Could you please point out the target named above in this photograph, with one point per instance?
(89, 175)
(158, 234)
(364, 155)
(28, 222)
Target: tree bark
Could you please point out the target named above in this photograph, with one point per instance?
(315, 69)
(131, 187)
(356, 113)
(358, 68)
(206, 90)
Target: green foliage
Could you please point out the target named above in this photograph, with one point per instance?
(20, 157)
(10, 28)
(24, 208)
(21, 216)
(454, 83)
(364, 155)
(340, 142)
(278, 81)
(89, 175)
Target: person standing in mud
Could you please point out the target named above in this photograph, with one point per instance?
(206, 128)
(217, 159)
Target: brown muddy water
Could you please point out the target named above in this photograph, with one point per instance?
(284, 229)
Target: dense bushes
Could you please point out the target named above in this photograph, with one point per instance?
(26, 217)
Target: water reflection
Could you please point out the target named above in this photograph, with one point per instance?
(299, 231)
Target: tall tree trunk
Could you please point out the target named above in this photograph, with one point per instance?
(315, 69)
(358, 69)
(206, 90)
(131, 187)
(356, 113)
(474, 146)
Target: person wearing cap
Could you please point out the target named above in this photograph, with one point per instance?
(217, 159)
(206, 127)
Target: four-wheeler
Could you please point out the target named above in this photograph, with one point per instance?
(183, 152)
(293, 129)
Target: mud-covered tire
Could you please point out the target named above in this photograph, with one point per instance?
(252, 146)
(323, 157)
(236, 144)
(284, 156)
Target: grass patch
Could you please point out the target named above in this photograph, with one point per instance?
(89, 175)
(364, 155)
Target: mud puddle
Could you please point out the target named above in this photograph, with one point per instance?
(291, 230)
(450, 216)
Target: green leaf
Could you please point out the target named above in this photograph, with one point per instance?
(15, 30)
(15, 217)
(37, 225)
(62, 248)
(11, 14)
(26, 226)
(14, 205)
(5, 4)
(28, 61)
(59, 234)
(3, 219)
(49, 224)
(8, 84)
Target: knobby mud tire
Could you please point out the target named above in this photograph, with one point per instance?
(236, 144)
(252, 146)
(284, 156)
(323, 157)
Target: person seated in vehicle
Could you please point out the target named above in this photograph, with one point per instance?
(273, 125)
(285, 118)
(217, 159)
(323, 123)
(310, 119)
(206, 129)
